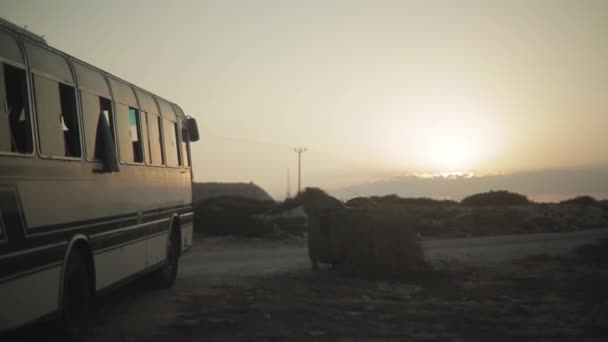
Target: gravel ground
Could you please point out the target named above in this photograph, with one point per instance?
(538, 298)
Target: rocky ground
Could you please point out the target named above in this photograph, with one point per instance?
(539, 298)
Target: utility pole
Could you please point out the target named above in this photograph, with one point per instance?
(299, 151)
(288, 184)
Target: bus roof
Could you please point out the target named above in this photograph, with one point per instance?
(23, 32)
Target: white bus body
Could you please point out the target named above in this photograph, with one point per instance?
(89, 165)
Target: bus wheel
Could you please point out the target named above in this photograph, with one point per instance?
(166, 275)
(77, 298)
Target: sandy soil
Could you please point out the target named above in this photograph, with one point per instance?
(540, 298)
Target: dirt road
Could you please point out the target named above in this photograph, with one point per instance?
(213, 261)
(137, 312)
(486, 251)
(234, 290)
(217, 260)
(244, 290)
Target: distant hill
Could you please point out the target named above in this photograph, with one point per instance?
(202, 191)
(541, 186)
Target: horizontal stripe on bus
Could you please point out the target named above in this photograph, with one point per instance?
(60, 233)
(30, 271)
(113, 238)
(124, 244)
(148, 215)
(26, 261)
(17, 263)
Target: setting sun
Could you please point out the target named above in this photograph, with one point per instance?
(458, 137)
(452, 155)
(448, 135)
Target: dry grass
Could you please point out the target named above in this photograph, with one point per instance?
(376, 243)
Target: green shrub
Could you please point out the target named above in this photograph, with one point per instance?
(424, 201)
(231, 216)
(361, 202)
(497, 198)
(309, 198)
(581, 200)
(396, 201)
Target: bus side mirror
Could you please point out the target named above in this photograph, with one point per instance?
(192, 129)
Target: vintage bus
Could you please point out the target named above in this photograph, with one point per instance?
(95, 184)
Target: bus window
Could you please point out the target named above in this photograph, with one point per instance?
(15, 123)
(171, 146)
(124, 135)
(177, 144)
(69, 118)
(93, 106)
(156, 147)
(144, 135)
(58, 128)
(129, 135)
(185, 147)
(136, 135)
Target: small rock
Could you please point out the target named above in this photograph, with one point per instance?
(386, 317)
(424, 335)
(384, 286)
(214, 320)
(316, 333)
(519, 309)
(191, 322)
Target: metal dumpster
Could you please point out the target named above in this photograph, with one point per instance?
(319, 237)
(321, 210)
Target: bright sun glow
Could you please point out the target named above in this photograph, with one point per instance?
(453, 137)
(457, 137)
(452, 155)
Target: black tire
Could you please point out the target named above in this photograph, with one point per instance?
(76, 298)
(165, 276)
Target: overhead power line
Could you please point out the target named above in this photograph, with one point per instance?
(248, 141)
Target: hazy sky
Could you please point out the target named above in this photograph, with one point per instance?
(374, 89)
